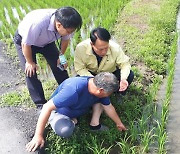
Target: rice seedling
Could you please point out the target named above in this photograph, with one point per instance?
(154, 46)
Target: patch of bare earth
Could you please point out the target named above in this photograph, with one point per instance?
(17, 123)
(139, 21)
(10, 75)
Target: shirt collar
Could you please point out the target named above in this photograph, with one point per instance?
(51, 24)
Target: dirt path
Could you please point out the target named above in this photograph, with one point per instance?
(16, 128)
(17, 124)
(10, 77)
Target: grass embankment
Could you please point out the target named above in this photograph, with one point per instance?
(146, 30)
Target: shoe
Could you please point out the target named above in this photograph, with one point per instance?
(102, 128)
(39, 108)
(75, 121)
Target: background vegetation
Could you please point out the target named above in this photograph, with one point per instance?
(146, 31)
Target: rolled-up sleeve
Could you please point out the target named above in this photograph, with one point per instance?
(123, 64)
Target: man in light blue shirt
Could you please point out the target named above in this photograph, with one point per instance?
(37, 33)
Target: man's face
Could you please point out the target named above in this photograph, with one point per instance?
(101, 93)
(63, 31)
(100, 47)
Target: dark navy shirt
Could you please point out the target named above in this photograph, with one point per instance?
(99, 59)
(73, 99)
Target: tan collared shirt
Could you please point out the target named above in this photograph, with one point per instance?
(85, 60)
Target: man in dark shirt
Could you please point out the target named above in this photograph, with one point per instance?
(72, 99)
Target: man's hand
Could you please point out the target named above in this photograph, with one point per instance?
(111, 112)
(121, 127)
(30, 69)
(65, 65)
(37, 141)
(123, 85)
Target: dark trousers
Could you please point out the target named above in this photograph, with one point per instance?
(130, 78)
(51, 54)
(117, 73)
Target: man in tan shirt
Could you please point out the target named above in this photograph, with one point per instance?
(100, 54)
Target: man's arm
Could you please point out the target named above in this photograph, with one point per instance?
(38, 139)
(122, 61)
(125, 67)
(30, 66)
(64, 45)
(110, 111)
(79, 64)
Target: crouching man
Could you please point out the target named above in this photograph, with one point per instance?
(72, 99)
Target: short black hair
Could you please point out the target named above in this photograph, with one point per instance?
(100, 33)
(68, 17)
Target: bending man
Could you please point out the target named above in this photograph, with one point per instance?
(72, 99)
(37, 33)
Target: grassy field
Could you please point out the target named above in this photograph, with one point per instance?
(146, 31)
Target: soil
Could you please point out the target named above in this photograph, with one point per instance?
(10, 76)
(17, 123)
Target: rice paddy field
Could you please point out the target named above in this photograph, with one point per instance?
(94, 13)
(146, 31)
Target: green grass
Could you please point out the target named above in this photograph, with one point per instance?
(156, 48)
(147, 29)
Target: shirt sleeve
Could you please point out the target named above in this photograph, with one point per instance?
(66, 97)
(105, 101)
(79, 64)
(123, 64)
(31, 34)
